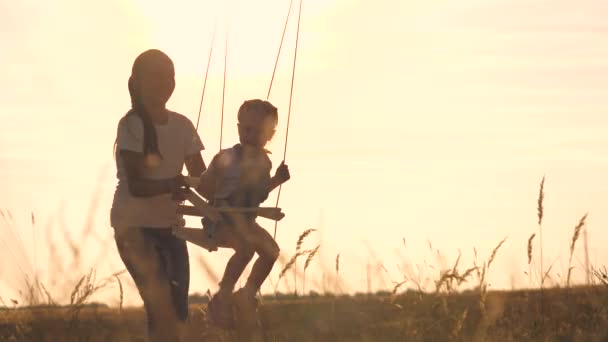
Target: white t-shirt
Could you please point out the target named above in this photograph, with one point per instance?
(177, 139)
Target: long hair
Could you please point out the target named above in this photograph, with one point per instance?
(150, 138)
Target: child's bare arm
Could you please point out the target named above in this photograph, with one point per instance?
(281, 176)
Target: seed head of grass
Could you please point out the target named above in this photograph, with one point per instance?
(494, 252)
(338, 263)
(302, 237)
(541, 197)
(466, 274)
(310, 256)
(577, 231)
(530, 247)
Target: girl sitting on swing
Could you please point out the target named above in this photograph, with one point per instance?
(240, 177)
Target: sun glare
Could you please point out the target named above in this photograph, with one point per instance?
(253, 29)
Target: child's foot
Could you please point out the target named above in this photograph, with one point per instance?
(220, 310)
(246, 306)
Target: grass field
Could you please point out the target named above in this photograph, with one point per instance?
(575, 314)
(432, 309)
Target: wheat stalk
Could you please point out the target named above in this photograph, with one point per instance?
(311, 255)
(540, 211)
(337, 270)
(575, 236)
(530, 247)
(302, 237)
(539, 202)
(76, 289)
(299, 253)
(309, 258)
(290, 263)
(494, 252)
(338, 263)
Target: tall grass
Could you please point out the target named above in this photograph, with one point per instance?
(540, 211)
(575, 235)
(456, 308)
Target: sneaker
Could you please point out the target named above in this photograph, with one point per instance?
(220, 310)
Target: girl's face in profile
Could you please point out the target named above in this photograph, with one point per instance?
(156, 83)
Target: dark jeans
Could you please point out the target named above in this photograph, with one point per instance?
(158, 263)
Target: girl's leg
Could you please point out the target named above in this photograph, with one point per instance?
(140, 255)
(176, 266)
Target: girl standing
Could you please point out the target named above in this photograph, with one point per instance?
(152, 146)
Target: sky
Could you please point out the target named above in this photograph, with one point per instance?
(411, 121)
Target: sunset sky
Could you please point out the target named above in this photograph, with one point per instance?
(417, 120)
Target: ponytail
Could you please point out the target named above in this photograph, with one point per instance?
(150, 143)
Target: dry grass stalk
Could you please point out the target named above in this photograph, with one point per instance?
(290, 263)
(477, 268)
(540, 210)
(76, 289)
(395, 289)
(302, 237)
(601, 274)
(446, 277)
(530, 247)
(338, 263)
(454, 268)
(494, 252)
(539, 202)
(121, 298)
(299, 253)
(49, 299)
(460, 323)
(309, 259)
(546, 275)
(337, 271)
(466, 274)
(577, 231)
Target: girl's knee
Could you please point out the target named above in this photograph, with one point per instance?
(244, 252)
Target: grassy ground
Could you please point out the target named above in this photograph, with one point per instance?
(578, 314)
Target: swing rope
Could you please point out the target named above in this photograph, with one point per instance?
(293, 73)
(224, 90)
(269, 88)
(200, 107)
(279, 53)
